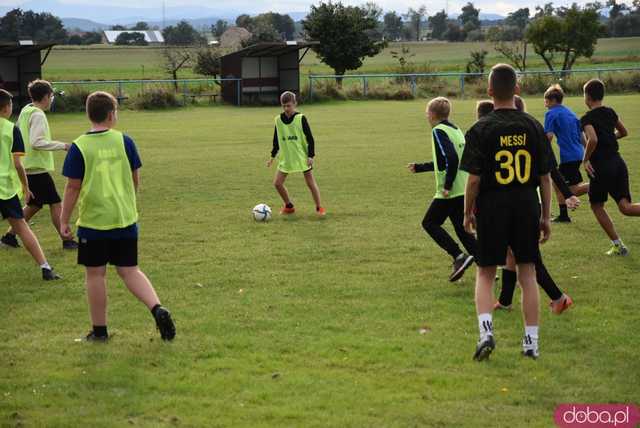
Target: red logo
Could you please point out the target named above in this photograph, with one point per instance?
(597, 415)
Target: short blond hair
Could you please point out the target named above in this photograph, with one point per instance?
(287, 97)
(440, 107)
(554, 93)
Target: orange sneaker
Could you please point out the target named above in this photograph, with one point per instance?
(561, 305)
(287, 211)
(321, 212)
(497, 306)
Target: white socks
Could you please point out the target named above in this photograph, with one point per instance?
(618, 242)
(485, 324)
(45, 265)
(530, 340)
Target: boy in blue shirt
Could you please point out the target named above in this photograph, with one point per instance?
(561, 122)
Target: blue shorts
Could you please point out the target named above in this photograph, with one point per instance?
(11, 208)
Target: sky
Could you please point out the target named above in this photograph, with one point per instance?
(502, 7)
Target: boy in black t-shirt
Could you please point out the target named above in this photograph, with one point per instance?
(603, 163)
(507, 158)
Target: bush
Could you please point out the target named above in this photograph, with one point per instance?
(154, 99)
(73, 100)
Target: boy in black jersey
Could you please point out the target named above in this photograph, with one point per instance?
(507, 158)
(603, 163)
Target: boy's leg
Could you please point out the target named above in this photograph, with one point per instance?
(509, 280)
(485, 276)
(313, 187)
(432, 224)
(629, 209)
(29, 240)
(605, 221)
(456, 215)
(278, 182)
(55, 211)
(97, 295)
(29, 212)
(530, 308)
(139, 285)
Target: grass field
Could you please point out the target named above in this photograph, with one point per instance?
(305, 321)
(67, 63)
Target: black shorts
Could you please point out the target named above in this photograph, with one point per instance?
(571, 172)
(100, 252)
(11, 208)
(611, 178)
(508, 219)
(43, 189)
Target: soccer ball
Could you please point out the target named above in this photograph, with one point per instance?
(261, 212)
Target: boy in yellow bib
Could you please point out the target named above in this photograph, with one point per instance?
(293, 139)
(12, 175)
(38, 160)
(102, 170)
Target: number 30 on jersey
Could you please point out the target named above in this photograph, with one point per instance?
(512, 166)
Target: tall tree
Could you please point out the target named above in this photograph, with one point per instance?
(40, 27)
(470, 17)
(415, 17)
(545, 10)
(393, 26)
(438, 23)
(345, 33)
(519, 18)
(182, 34)
(243, 21)
(570, 36)
(219, 28)
(141, 26)
(283, 24)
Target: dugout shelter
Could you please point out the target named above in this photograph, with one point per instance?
(21, 63)
(266, 70)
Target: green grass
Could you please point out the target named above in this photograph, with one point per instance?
(69, 63)
(303, 321)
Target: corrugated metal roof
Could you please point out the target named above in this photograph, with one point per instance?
(149, 36)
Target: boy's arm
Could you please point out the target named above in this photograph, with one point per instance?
(450, 156)
(470, 194)
(592, 143)
(135, 174)
(22, 174)
(276, 144)
(69, 200)
(311, 144)
(621, 131)
(424, 167)
(37, 135)
(545, 195)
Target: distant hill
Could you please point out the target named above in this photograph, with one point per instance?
(83, 24)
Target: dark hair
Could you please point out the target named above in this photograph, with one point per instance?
(594, 89)
(503, 80)
(287, 97)
(38, 89)
(5, 98)
(554, 93)
(99, 105)
(483, 108)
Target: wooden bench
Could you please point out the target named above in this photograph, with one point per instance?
(212, 97)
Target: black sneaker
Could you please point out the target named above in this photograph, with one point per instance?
(165, 324)
(69, 245)
(561, 219)
(484, 349)
(10, 241)
(50, 275)
(460, 265)
(531, 353)
(92, 337)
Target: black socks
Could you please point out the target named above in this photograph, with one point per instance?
(155, 309)
(100, 331)
(289, 205)
(563, 211)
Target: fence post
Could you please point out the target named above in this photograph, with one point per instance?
(239, 90)
(184, 92)
(599, 75)
(462, 87)
(311, 88)
(120, 90)
(365, 87)
(414, 88)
